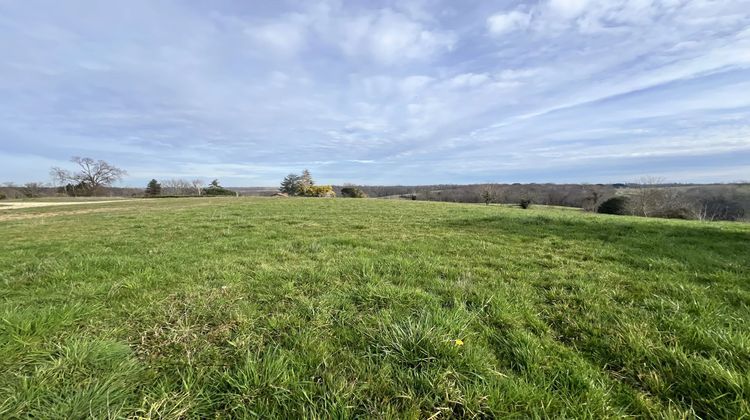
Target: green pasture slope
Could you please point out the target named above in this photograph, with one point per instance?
(322, 308)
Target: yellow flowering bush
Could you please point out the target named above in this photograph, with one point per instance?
(317, 191)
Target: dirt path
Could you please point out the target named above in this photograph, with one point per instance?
(11, 216)
(27, 205)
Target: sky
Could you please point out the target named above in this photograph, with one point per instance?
(388, 92)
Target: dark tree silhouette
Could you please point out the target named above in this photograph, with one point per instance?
(153, 188)
(92, 175)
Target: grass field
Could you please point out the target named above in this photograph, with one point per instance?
(372, 308)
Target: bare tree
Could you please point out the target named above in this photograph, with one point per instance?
(716, 207)
(593, 195)
(703, 212)
(648, 196)
(653, 198)
(92, 175)
(198, 185)
(177, 187)
(32, 189)
(488, 194)
(10, 190)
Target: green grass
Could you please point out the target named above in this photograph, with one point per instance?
(321, 308)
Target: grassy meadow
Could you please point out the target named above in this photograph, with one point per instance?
(339, 308)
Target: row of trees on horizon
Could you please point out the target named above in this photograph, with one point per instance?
(649, 197)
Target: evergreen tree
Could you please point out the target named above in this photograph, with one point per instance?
(214, 189)
(290, 184)
(306, 180)
(294, 184)
(153, 188)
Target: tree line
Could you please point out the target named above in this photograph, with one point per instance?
(648, 197)
(183, 188)
(96, 178)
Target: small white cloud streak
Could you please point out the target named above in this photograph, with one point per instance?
(501, 23)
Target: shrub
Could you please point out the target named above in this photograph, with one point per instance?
(3, 196)
(614, 205)
(672, 213)
(525, 203)
(78, 190)
(214, 189)
(218, 191)
(317, 191)
(353, 192)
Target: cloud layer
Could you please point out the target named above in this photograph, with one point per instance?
(404, 92)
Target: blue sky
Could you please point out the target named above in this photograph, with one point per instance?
(391, 92)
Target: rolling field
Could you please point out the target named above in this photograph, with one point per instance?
(321, 308)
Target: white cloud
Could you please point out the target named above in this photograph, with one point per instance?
(281, 38)
(518, 74)
(591, 16)
(389, 37)
(384, 36)
(568, 9)
(376, 86)
(502, 23)
(412, 85)
(468, 80)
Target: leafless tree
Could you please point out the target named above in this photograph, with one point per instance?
(703, 212)
(92, 174)
(712, 207)
(648, 196)
(594, 195)
(489, 194)
(10, 190)
(652, 198)
(198, 185)
(176, 187)
(32, 189)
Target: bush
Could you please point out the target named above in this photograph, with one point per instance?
(525, 203)
(672, 213)
(3, 196)
(214, 189)
(81, 189)
(317, 191)
(353, 192)
(218, 191)
(615, 205)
